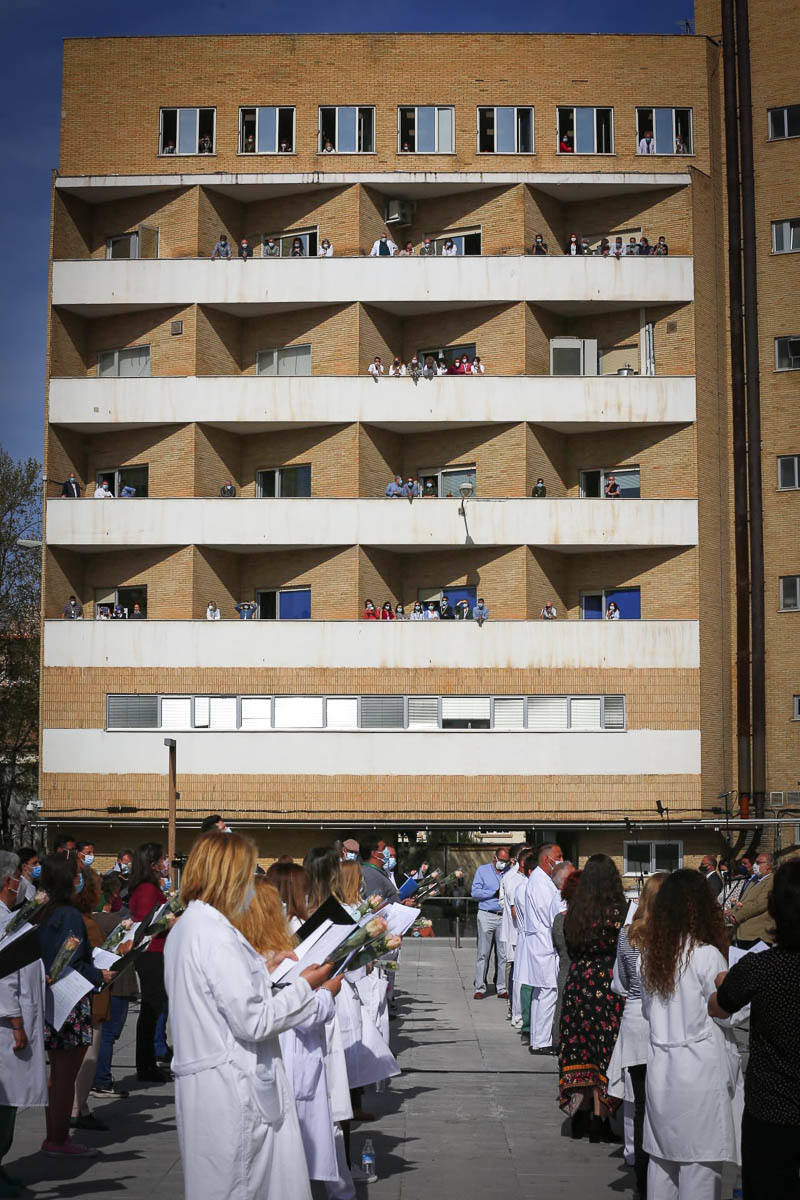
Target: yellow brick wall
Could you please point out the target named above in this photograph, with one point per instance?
(497, 212)
(498, 332)
(333, 210)
(331, 451)
(331, 330)
(170, 354)
(168, 450)
(218, 341)
(664, 454)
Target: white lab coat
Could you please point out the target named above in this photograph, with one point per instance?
(538, 905)
(695, 1096)
(303, 1053)
(369, 1059)
(23, 1076)
(508, 930)
(237, 1125)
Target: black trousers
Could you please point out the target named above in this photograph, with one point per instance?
(770, 1160)
(150, 969)
(638, 1076)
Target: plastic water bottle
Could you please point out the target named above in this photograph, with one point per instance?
(368, 1161)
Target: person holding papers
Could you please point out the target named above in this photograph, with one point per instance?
(57, 920)
(148, 871)
(237, 1125)
(86, 902)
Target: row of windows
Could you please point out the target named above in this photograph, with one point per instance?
(541, 714)
(425, 129)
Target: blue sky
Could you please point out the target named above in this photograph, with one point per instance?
(30, 84)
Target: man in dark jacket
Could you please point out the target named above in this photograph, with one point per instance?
(71, 489)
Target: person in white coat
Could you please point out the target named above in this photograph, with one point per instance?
(508, 928)
(23, 1072)
(541, 903)
(520, 999)
(237, 1126)
(694, 1083)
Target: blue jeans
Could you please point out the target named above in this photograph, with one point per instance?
(111, 1030)
(160, 1040)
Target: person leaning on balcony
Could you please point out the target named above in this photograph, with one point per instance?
(573, 246)
(386, 613)
(449, 249)
(222, 248)
(632, 247)
(611, 489)
(414, 368)
(411, 488)
(72, 610)
(325, 250)
(212, 612)
(751, 915)
(227, 490)
(400, 613)
(369, 613)
(647, 144)
(270, 249)
(661, 248)
(383, 247)
(463, 612)
(137, 614)
(103, 491)
(429, 370)
(612, 612)
(645, 249)
(618, 249)
(427, 249)
(394, 490)
(245, 250)
(548, 613)
(397, 368)
(539, 491)
(71, 489)
(375, 368)
(417, 613)
(407, 251)
(480, 612)
(246, 609)
(539, 245)
(297, 250)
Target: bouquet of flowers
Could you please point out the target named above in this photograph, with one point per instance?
(422, 927)
(63, 957)
(24, 914)
(436, 883)
(371, 904)
(163, 922)
(118, 934)
(373, 929)
(386, 943)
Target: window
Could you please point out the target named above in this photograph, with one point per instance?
(347, 130)
(789, 472)
(784, 122)
(796, 711)
(790, 593)
(341, 712)
(125, 481)
(643, 858)
(454, 594)
(188, 131)
(786, 236)
(284, 482)
(133, 363)
(628, 479)
(266, 130)
(586, 130)
(287, 360)
(132, 712)
(176, 712)
(382, 712)
(141, 243)
(286, 242)
(106, 599)
(215, 712)
(423, 712)
(448, 353)
(299, 712)
(669, 128)
(505, 130)
(256, 712)
(466, 712)
(787, 353)
(594, 605)
(465, 242)
(426, 130)
(284, 604)
(447, 481)
(573, 356)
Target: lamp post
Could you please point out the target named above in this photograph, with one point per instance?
(465, 491)
(172, 800)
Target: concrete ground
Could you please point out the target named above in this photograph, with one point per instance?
(472, 1116)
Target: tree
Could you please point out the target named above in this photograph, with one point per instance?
(20, 585)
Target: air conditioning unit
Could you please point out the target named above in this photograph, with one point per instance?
(777, 800)
(399, 212)
(573, 356)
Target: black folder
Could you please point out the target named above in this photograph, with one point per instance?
(20, 953)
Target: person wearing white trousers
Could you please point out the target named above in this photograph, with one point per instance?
(542, 901)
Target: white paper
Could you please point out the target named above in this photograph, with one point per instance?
(315, 949)
(399, 918)
(62, 996)
(736, 952)
(301, 950)
(7, 939)
(104, 960)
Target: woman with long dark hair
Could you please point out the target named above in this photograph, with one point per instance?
(591, 1012)
(148, 870)
(321, 865)
(292, 885)
(694, 1086)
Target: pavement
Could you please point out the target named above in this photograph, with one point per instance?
(473, 1115)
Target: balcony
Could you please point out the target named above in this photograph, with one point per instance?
(528, 645)
(402, 286)
(246, 404)
(565, 525)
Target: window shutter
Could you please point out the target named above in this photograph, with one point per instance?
(222, 712)
(585, 712)
(614, 712)
(381, 712)
(267, 362)
(547, 714)
(423, 712)
(342, 713)
(176, 712)
(509, 712)
(132, 712)
(202, 712)
(465, 708)
(256, 712)
(298, 712)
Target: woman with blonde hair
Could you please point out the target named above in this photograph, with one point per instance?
(633, 1041)
(347, 885)
(237, 1126)
(304, 1048)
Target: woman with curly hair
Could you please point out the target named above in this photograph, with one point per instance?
(694, 1086)
(591, 1012)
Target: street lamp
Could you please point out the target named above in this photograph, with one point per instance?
(465, 490)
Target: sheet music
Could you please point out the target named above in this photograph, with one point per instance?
(104, 960)
(315, 949)
(62, 996)
(8, 938)
(399, 917)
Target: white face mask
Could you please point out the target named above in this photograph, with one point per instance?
(555, 863)
(88, 859)
(756, 869)
(350, 856)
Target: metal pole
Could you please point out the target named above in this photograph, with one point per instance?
(172, 803)
(458, 932)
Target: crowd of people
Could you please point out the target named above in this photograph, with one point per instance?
(269, 1078)
(646, 1003)
(428, 610)
(432, 368)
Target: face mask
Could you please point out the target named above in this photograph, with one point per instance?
(555, 864)
(227, 829)
(165, 885)
(79, 886)
(15, 889)
(756, 869)
(249, 897)
(350, 856)
(36, 871)
(88, 859)
(500, 864)
(123, 868)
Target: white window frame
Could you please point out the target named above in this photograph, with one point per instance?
(278, 473)
(114, 473)
(280, 238)
(790, 225)
(604, 473)
(359, 109)
(595, 108)
(243, 108)
(118, 237)
(792, 458)
(186, 153)
(439, 472)
(517, 108)
(604, 592)
(788, 337)
(440, 239)
(796, 708)
(781, 108)
(673, 153)
(123, 350)
(278, 591)
(652, 842)
(437, 108)
(278, 351)
(784, 579)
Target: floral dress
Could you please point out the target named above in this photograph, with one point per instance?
(590, 1017)
(76, 1030)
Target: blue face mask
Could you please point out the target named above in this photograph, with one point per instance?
(88, 859)
(79, 886)
(389, 862)
(36, 871)
(249, 897)
(350, 856)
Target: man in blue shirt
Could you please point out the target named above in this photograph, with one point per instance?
(246, 609)
(480, 612)
(486, 890)
(395, 489)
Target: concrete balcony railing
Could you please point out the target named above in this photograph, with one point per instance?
(404, 286)
(247, 404)
(368, 644)
(248, 525)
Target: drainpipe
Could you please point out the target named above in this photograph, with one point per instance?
(757, 668)
(739, 413)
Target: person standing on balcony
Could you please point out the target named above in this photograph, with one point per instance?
(375, 368)
(71, 489)
(661, 249)
(480, 612)
(103, 491)
(446, 612)
(427, 249)
(573, 246)
(227, 490)
(212, 612)
(411, 488)
(618, 249)
(548, 613)
(369, 613)
(246, 609)
(540, 245)
(486, 890)
(539, 491)
(245, 250)
(222, 248)
(432, 611)
(395, 490)
(632, 247)
(612, 490)
(270, 249)
(72, 610)
(612, 612)
(325, 250)
(383, 247)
